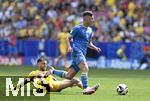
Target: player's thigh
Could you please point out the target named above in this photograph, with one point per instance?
(78, 57)
(55, 86)
(83, 67)
(80, 61)
(65, 84)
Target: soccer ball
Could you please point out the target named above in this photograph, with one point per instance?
(122, 89)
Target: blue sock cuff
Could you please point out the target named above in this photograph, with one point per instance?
(84, 79)
(60, 73)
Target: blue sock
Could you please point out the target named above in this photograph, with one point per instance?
(59, 73)
(84, 80)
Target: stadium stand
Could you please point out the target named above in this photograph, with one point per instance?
(121, 21)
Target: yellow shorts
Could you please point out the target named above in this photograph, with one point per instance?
(63, 49)
(55, 85)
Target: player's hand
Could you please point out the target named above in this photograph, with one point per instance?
(98, 49)
(69, 49)
(51, 69)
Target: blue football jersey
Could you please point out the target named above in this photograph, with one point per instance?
(81, 38)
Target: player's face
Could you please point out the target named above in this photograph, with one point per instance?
(42, 65)
(89, 20)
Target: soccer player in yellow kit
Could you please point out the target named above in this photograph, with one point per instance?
(50, 83)
(62, 46)
(121, 52)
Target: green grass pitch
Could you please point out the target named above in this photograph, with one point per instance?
(137, 81)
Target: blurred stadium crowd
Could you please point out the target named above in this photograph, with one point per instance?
(115, 20)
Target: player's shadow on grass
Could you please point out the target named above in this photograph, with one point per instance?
(65, 93)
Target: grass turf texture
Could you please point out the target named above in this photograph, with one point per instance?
(137, 81)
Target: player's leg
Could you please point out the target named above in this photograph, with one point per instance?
(84, 74)
(80, 61)
(61, 73)
(64, 55)
(71, 73)
(65, 59)
(69, 83)
(57, 60)
(79, 83)
(63, 52)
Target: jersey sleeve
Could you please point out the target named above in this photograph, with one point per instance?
(49, 78)
(91, 35)
(74, 31)
(32, 74)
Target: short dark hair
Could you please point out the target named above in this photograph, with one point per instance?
(39, 60)
(87, 13)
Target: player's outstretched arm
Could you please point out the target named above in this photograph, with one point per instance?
(51, 69)
(69, 37)
(92, 46)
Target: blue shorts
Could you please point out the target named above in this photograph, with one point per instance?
(75, 67)
(77, 59)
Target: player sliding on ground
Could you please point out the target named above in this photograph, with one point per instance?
(81, 36)
(49, 82)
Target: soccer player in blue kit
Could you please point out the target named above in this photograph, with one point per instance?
(81, 36)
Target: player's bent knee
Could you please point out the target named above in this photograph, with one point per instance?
(84, 70)
(84, 67)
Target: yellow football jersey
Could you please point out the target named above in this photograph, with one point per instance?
(120, 51)
(63, 42)
(35, 73)
(62, 37)
(52, 81)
